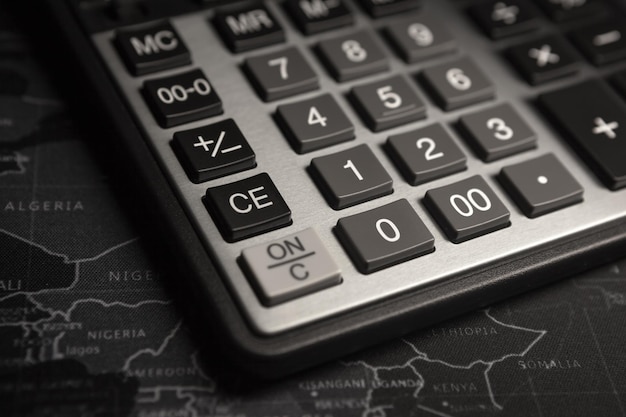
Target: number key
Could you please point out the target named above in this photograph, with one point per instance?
(182, 98)
(315, 123)
(353, 56)
(426, 154)
(497, 132)
(467, 209)
(388, 103)
(458, 84)
(350, 177)
(384, 236)
(281, 74)
(420, 37)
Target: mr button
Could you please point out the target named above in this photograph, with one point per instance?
(152, 48)
(290, 267)
(247, 207)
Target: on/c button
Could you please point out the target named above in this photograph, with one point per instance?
(290, 267)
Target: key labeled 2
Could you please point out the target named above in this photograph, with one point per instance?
(182, 98)
(426, 154)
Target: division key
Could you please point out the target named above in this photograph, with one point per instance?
(593, 119)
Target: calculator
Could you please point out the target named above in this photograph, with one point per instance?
(326, 175)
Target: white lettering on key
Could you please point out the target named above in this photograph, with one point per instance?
(504, 13)
(544, 55)
(249, 22)
(204, 143)
(603, 127)
(256, 200)
(160, 41)
(607, 38)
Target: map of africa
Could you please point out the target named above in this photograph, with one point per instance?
(88, 329)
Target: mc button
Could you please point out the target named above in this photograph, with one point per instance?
(152, 48)
(247, 207)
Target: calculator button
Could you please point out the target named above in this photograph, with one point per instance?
(497, 132)
(151, 49)
(281, 74)
(380, 8)
(314, 16)
(544, 59)
(593, 119)
(353, 56)
(213, 151)
(314, 124)
(248, 29)
(350, 177)
(500, 19)
(247, 207)
(384, 236)
(420, 37)
(290, 267)
(458, 84)
(426, 154)
(182, 98)
(602, 43)
(541, 185)
(467, 209)
(564, 10)
(388, 103)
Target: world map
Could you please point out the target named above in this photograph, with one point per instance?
(89, 326)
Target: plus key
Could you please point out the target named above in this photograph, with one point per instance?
(593, 119)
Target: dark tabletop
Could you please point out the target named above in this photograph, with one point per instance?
(87, 327)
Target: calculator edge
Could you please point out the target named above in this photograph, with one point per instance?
(276, 356)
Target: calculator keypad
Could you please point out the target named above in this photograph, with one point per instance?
(275, 152)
